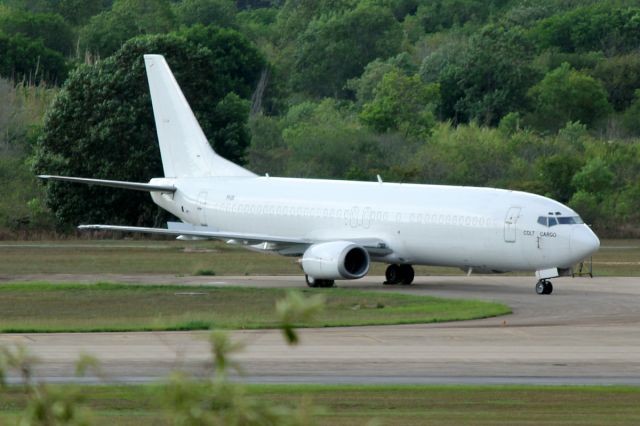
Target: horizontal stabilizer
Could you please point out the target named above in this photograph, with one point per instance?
(114, 183)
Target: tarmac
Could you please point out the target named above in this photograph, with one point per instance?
(586, 332)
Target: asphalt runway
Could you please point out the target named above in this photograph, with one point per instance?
(586, 332)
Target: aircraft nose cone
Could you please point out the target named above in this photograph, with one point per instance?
(583, 242)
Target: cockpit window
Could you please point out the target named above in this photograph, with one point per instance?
(570, 220)
(550, 221)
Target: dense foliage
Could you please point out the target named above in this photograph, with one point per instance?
(539, 95)
(101, 124)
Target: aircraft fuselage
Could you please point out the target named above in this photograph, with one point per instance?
(486, 229)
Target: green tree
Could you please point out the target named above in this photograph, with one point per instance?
(445, 51)
(556, 174)
(326, 140)
(258, 24)
(552, 58)
(598, 27)
(320, 141)
(295, 15)
(105, 33)
(51, 29)
(564, 95)
(364, 86)
(595, 176)
(229, 127)
(437, 15)
(620, 76)
(335, 48)
(235, 59)
(268, 152)
(400, 8)
(78, 12)
(23, 58)
(402, 103)
(490, 79)
(631, 117)
(115, 136)
(150, 15)
(463, 155)
(206, 12)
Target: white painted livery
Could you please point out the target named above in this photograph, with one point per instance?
(338, 227)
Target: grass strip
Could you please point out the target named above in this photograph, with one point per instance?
(41, 307)
(387, 405)
(616, 257)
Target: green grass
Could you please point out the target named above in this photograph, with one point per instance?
(43, 307)
(388, 405)
(618, 258)
(615, 258)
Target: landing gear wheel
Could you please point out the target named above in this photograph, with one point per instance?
(327, 283)
(392, 275)
(316, 283)
(544, 287)
(311, 282)
(407, 274)
(399, 274)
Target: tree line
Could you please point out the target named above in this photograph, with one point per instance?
(537, 95)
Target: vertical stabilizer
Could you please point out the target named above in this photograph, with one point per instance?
(184, 148)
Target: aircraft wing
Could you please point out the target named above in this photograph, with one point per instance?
(284, 245)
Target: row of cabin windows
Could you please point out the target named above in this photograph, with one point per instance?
(350, 214)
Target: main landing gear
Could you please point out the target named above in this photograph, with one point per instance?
(544, 287)
(399, 274)
(316, 283)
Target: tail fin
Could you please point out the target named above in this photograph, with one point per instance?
(184, 148)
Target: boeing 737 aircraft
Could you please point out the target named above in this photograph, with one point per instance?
(338, 228)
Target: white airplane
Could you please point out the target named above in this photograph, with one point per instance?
(339, 227)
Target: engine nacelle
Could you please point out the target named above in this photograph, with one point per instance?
(336, 260)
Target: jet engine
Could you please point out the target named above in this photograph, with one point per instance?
(336, 260)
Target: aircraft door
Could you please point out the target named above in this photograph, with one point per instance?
(202, 208)
(510, 224)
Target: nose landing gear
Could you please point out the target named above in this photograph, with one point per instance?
(544, 287)
(399, 274)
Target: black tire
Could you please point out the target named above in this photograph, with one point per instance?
(311, 282)
(316, 283)
(392, 274)
(328, 283)
(407, 274)
(540, 287)
(548, 288)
